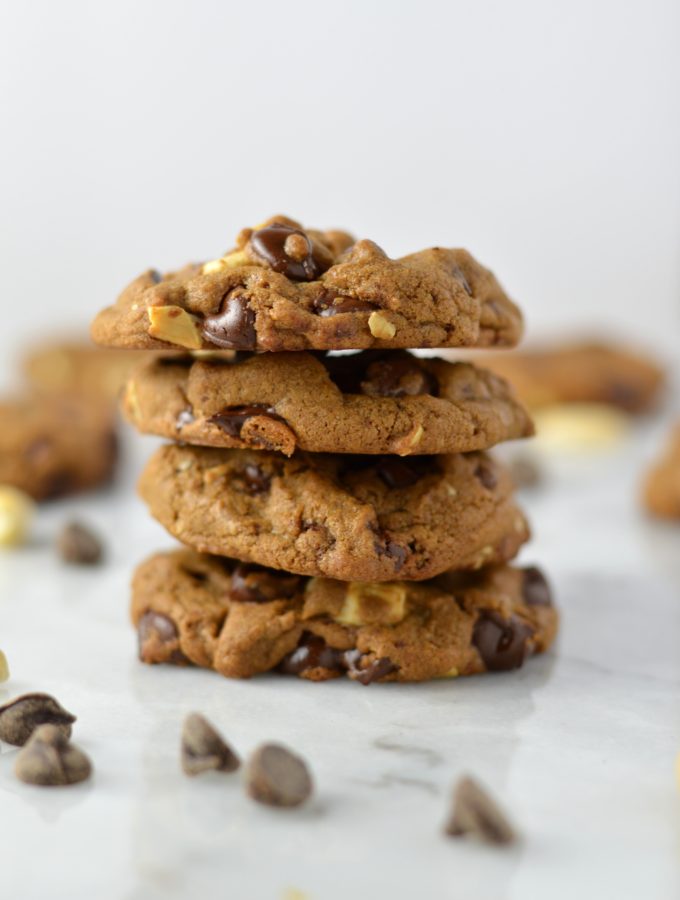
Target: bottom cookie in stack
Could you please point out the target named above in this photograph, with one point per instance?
(242, 620)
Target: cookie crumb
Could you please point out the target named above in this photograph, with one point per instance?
(204, 749)
(476, 813)
(277, 777)
(79, 545)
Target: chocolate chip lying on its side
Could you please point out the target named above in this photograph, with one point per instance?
(486, 475)
(49, 760)
(333, 305)
(159, 640)
(535, 587)
(376, 670)
(79, 545)
(233, 327)
(502, 643)
(474, 812)
(204, 749)
(287, 250)
(231, 419)
(20, 717)
(251, 583)
(399, 377)
(277, 777)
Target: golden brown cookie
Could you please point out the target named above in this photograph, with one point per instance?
(72, 367)
(52, 445)
(285, 288)
(581, 372)
(370, 402)
(355, 518)
(243, 620)
(661, 490)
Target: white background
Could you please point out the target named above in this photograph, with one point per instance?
(545, 137)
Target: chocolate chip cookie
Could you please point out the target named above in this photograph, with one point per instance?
(56, 445)
(583, 372)
(73, 367)
(242, 620)
(286, 288)
(661, 490)
(355, 518)
(370, 402)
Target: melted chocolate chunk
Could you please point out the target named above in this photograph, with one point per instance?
(312, 652)
(157, 629)
(486, 476)
(251, 583)
(378, 669)
(385, 546)
(535, 588)
(255, 480)
(232, 418)
(398, 377)
(294, 259)
(233, 327)
(397, 473)
(333, 305)
(502, 643)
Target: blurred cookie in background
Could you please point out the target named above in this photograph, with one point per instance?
(52, 445)
(661, 487)
(583, 372)
(80, 367)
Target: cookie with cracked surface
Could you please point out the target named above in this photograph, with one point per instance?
(355, 518)
(286, 288)
(661, 489)
(370, 402)
(80, 367)
(582, 372)
(54, 445)
(243, 620)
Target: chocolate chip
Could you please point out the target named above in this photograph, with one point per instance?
(231, 419)
(253, 480)
(233, 327)
(203, 749)
(21, 716)
(397, 473)
(287, 250)
(474, 812)
(398, 377)
(277, 777)
(486, 475)
(312, 652)
(159, 639)
(79, 545)
(155, 276)
(256, 584)
(502, 643)
(535, 588)
(328, 304)
(376, 670)
(385, 546)
(48, 759)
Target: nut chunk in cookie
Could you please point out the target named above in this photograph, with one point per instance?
(285, 287)
(356, 518)
(318, 628)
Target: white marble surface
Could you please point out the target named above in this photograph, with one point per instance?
(579, 745)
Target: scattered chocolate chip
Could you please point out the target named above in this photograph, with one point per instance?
(312, 652)
(535, 588)
(159, 640)
(277, 777)
(233, 328)
(185, 417)
(328, 304)
(231, 419)
(376, 670)
(204, 749)
(502, 643)
(21, 716)
(49, 760)
(398, 473)
(486, 475)
(476, 813)
(287, 250)
(256, 584)
(398, 377)
(79, 545)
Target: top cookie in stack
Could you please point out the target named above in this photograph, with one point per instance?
(385, 480)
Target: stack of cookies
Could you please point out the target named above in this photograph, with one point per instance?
(339, 512)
